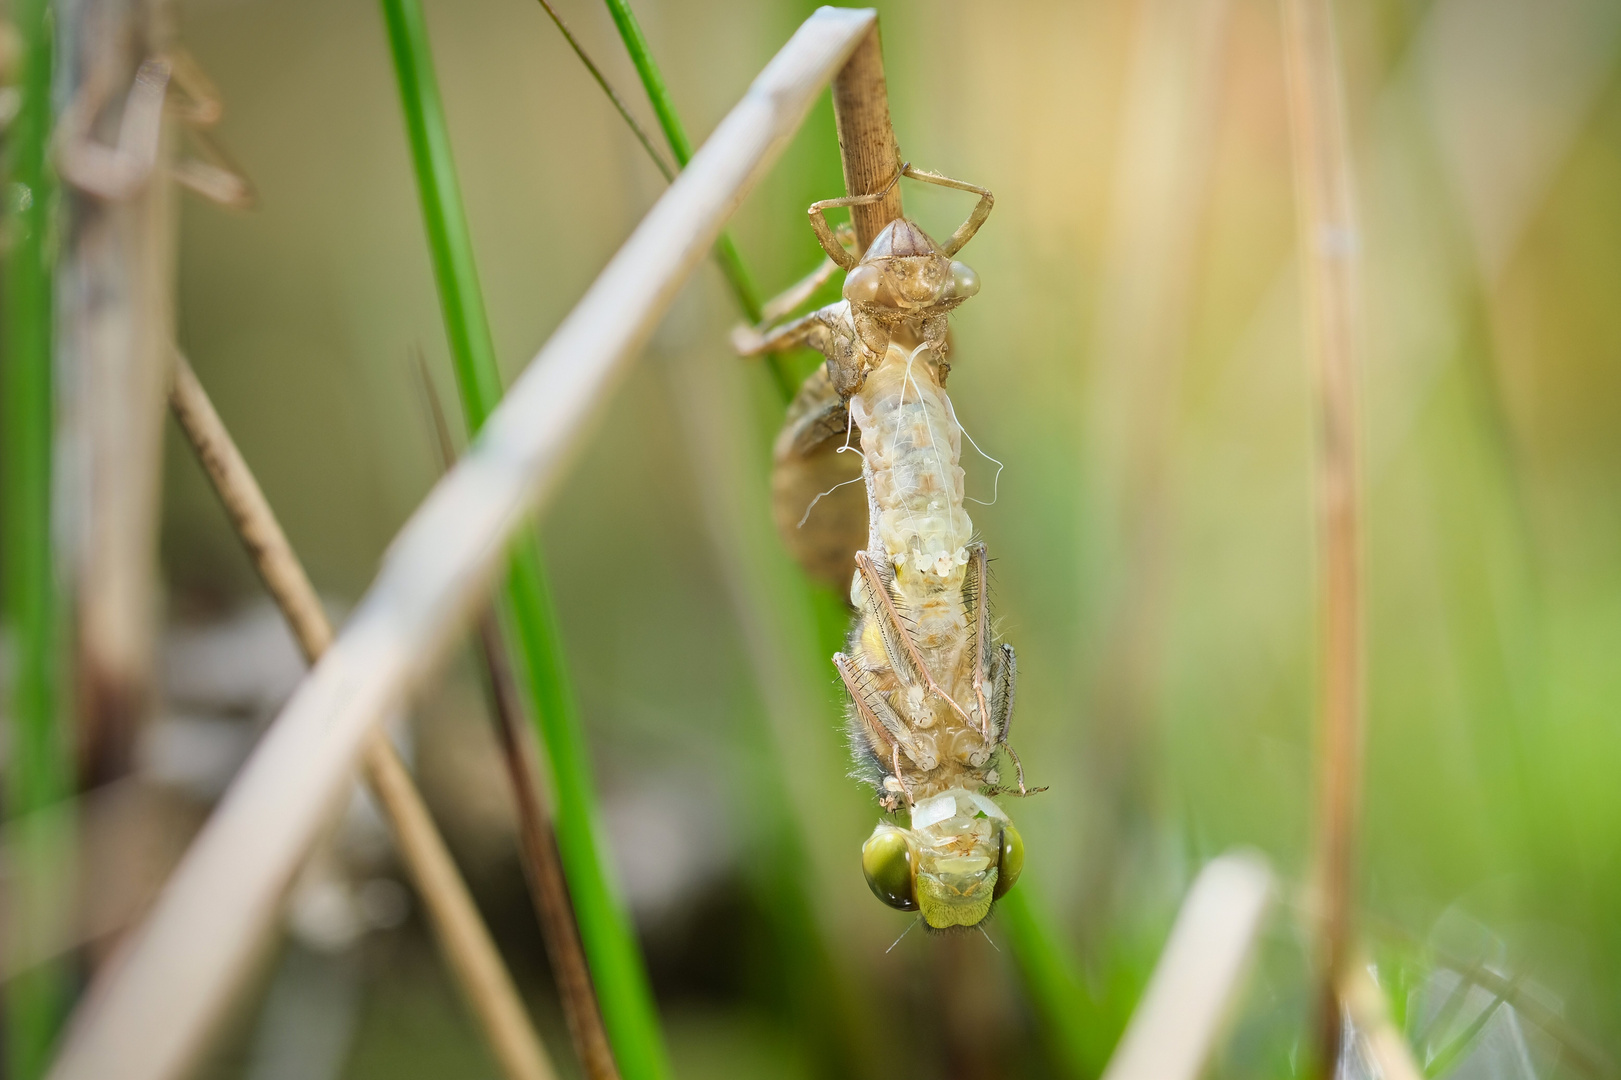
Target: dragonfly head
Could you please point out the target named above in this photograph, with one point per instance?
(960, 855)
(904, 271)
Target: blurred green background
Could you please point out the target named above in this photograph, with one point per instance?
(1136, 361)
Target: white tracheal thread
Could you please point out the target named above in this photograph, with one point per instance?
(996, 481)
(849, 433)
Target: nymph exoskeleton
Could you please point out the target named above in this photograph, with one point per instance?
(931, 690)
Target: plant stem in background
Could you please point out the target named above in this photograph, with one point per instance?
(1200, 974)
(731, 264)
(1327, 241)
(613, 95)
(40, 770)
(617, 970)
(543, 865)
(675, 133)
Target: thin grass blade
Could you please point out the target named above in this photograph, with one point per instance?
(40, 770)
(617, 970)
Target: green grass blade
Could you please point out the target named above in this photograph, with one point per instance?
(40, 765)
(1054, 985)
(617, 971)
(652, 79)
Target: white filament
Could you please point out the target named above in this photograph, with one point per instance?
(996, 481)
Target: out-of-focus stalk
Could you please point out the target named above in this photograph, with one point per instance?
(462, 935)
(1327, 242)
(607, 88)
(39, 759)
(617, 971)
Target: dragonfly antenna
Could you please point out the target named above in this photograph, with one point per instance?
(908, 930)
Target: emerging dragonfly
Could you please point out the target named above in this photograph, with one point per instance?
(931, 689)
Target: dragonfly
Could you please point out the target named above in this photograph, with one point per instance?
(930, 683)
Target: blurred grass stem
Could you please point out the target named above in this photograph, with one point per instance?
(613, 96)
(146, 1016)
(1327, 253)
(623, 992)
(39, 769)
(461, 932)
(1366, 1003)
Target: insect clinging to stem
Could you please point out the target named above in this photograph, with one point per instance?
(931, 688)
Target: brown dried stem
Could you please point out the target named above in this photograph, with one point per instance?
(1327, 242)
(544, 868)
(462, 934)
(867, 144)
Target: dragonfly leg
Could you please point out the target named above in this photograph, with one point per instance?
(965, 232)
(802, 290)
(903, 652)
(1004, 677)
(899, 779)
(824, 232)
(878, 718)
(1004, 680)
(974, 598)
(830, 331)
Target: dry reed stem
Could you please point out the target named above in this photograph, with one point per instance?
(146, 1019)
(1368, 1008)
(1199, 975)
(1327, 252)
(867, 146)
(461, 932)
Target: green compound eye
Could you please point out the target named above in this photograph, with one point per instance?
(1011, 863)
(886, 859)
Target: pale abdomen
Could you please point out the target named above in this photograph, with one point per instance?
(912, 443)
